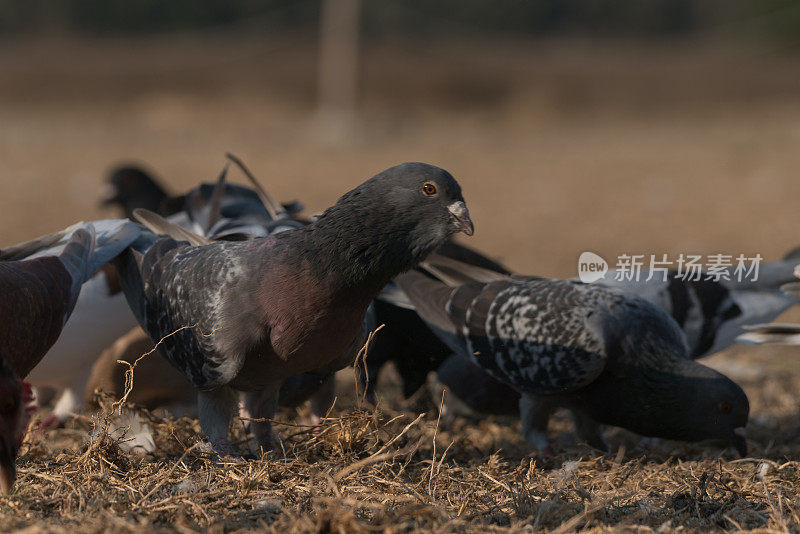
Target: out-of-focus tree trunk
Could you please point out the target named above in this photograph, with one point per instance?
(338, 68)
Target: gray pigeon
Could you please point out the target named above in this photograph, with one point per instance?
(713, 312)
(244, 316)
(610, 358)
(776, 333)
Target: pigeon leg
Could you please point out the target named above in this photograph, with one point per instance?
(262, 405)
(589, 431)
(535, 413)
(215, 409)
(322, 400)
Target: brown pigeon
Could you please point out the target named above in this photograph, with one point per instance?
(39, 284)
(245, 316)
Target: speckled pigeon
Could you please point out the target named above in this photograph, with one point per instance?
(711, 312)
(244, 316)
(39, 285)
(609, 357)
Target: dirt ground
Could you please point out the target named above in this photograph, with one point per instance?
(560, 147)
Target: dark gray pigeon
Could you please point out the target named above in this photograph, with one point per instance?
(711, 313)
(130, 187)
(610, 358)
(220, 211)
(254, 313)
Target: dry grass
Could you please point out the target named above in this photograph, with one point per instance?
(398, 470)
(560, 148)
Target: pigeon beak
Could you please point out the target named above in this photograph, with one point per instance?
(460, 215)
(8, 469)
(738, 440)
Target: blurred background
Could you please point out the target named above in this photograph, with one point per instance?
(617, 126)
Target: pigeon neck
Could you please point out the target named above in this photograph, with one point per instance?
(354, 255)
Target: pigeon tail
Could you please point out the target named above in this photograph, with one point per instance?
(771, 334)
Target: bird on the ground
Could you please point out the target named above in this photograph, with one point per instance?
(609, 357)
(40, 281)
(131, 187)
(712, 311)
(222, 211)
(713, 314)
(245, 316)
(102, 315)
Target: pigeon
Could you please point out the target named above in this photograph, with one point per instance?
(39, 285)
(610, 358)
(712, 311)
(245, 316)
(222, 211)
(102, 315)
(776, 333)
(130, 187)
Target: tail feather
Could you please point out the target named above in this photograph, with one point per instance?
(128, 265)
(76, 257)
(454, 272)
(771, 276)
(791, 290)
(392, 294)
(112, 236)
(771, 334)
(158, 224)
(275, 209)
(34, 248)
(91, 247)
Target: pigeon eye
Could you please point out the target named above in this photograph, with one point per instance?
(725, 407)
(429, 189)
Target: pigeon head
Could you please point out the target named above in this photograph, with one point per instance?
(687, 402)
(697, 403)
(391, 222)
(13, 424)
(415, 193)
(129, 188)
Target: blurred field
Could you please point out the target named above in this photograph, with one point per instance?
(560, 147)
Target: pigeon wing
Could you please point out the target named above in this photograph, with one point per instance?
(540, 337)
(185, 294)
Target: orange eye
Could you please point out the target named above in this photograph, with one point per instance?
(725, 407)
(429, 189)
